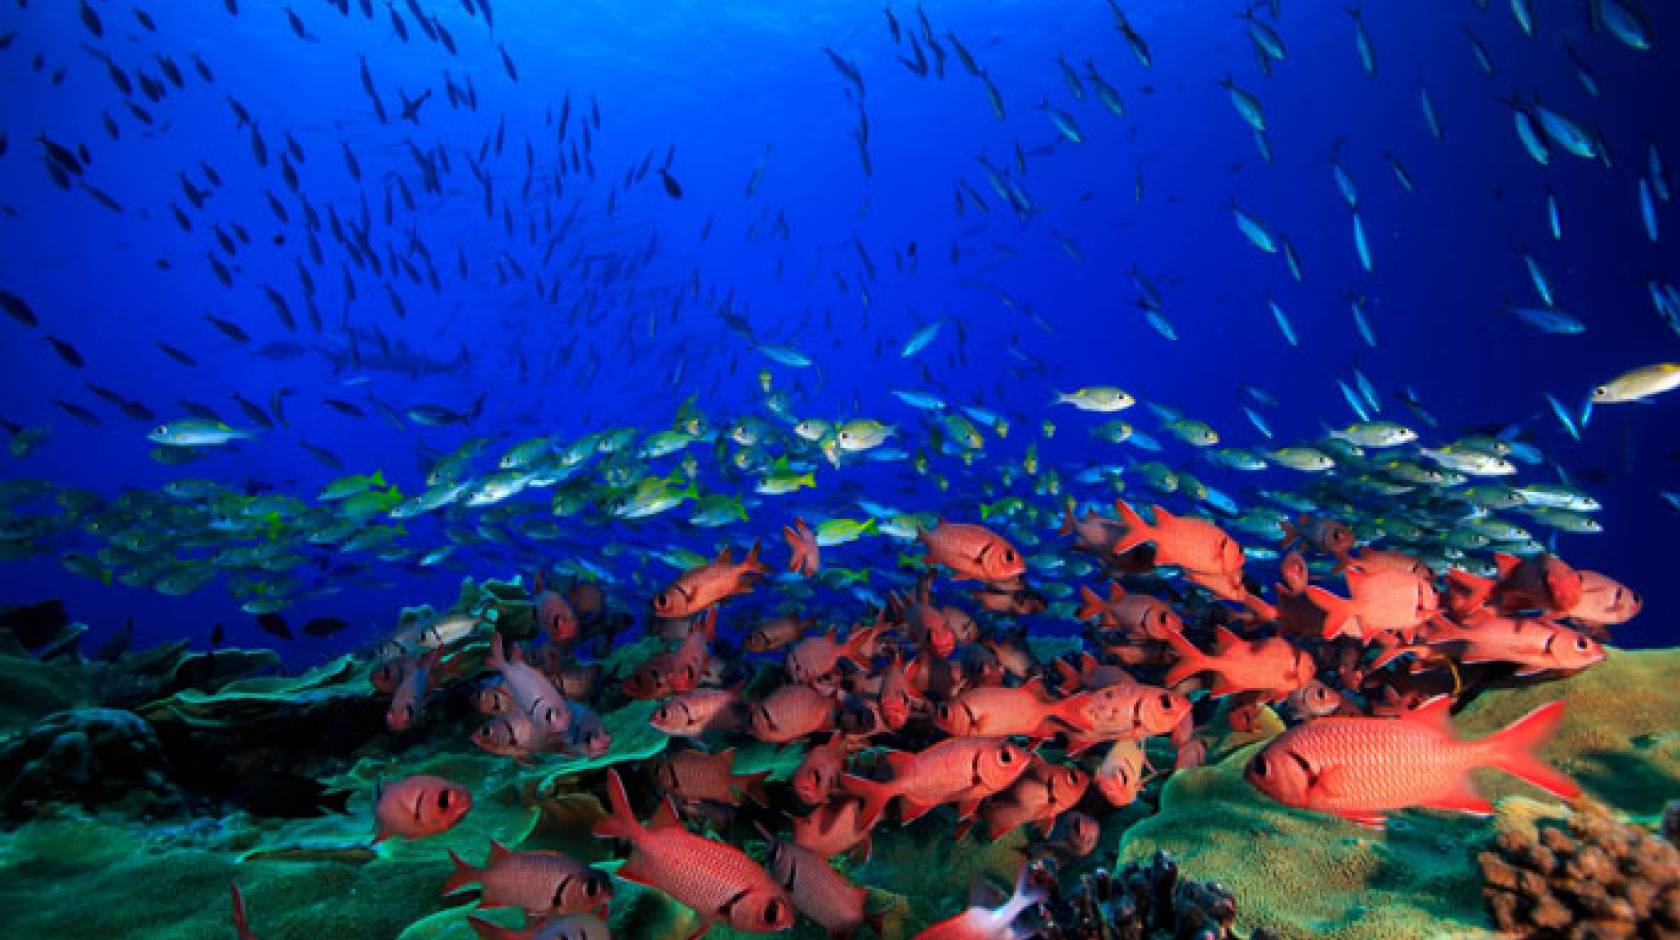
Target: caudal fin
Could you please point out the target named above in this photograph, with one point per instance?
(1190, 660)
(874, 795)
(1137, 531)
(1337, 610)
(462, 876)
(620, 822)
(239, 923)
(1513, 750)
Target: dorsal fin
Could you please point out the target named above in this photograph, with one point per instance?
(666, 815)
(1224, 639)
(498, 852)
(1434, 714)
(1506, 563)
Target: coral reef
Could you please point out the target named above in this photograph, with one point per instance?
(1141, 901)
(1589, 877)
(90, 757)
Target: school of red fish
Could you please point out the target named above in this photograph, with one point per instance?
(921, 705)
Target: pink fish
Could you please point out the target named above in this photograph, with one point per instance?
(539, 883)
(718, 882)
(418, 806)
(1364, 768)
(805, 557)
(820, 892)
(985, 923)
(955, 770)
(972, 552)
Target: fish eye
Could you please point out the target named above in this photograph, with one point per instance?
(1009, 554)
(1166, 701)
(1601, 390)
(773, 912)
(1581, 643)
(1259, 766)
(1006, 756)
(443, 799)
(591, 888)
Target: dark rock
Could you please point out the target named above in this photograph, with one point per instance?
(92, 757)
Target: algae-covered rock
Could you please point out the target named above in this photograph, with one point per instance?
(93, 757)
(249, 704)
(31, 689)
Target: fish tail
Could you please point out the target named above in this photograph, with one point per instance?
(240, 925)
(1336, 610)
(1067, 521)
(1093, 605)
(462, 876)
(1137, 531)
(498, 653)
(752, 786)
(752, 564)
(621, 821)
(489, 931)
(875, 796)
(1190, 660)
(1513, 751)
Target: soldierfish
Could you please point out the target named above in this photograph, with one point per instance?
(1191, 544)
(804, 555)
(691, 776)
(533, 692)
(566, 927)
(1364, 768)
(819, 892)
(790, 713)
(704, 585)
(1043, 793)
(554, 615)
(1001, 711)
(1270, 666)
(1139, 616)
(418, 806)
(539, 883)
(1120, 776)
(718, 881)
(972, 552)
(696, 712)
(954, 770)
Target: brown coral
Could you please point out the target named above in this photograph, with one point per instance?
(1590, 877)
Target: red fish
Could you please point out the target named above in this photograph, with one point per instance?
(1382, 600)
(1604, 601)
(1139, 616)
(790, 713)
(820, 892)
(775, 634)
(834, 828)
(1094, 534)
(533, 692)
(1322, 533)
(691, 776)
(985, 923)
(694, 713)
(1271, 666)
(514, 735)
(805, 556)
(1364, 768)
(418, 806)
(554, 615)
(539, 883)
(410, 696)
(822, 766)
(972, 552)
(717, 881)
(1120, 777)
(956, 770)
(567, 927)
(1536, 645)
(1539, 582)
(898, 696)
(1044, 792)
(704, 585)
(814, 658)
(1192, 544)
(1001, 711)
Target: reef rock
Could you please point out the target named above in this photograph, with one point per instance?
(92, 757)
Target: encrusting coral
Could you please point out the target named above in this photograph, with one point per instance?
(1141, 902)
(1590, 877)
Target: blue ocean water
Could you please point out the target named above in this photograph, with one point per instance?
(622, 321)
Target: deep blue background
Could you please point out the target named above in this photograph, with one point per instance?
(721, 81)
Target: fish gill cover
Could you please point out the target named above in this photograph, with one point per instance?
(717, 327)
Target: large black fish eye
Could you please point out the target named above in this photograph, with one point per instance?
(1009, 554)
(662, 600)
(443, 799)
(1601, 390)
(1581, 643)
(1166, 701)
(1006, 756)
(773, 911)
(944, 712)
(1258, 765)
(592, 887)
